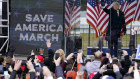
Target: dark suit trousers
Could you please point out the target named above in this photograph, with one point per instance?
(112, 44)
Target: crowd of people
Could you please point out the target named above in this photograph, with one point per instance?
(75, 66)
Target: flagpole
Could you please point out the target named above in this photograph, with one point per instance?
(64, 37)
(89, 36)
(110, 30)
(130, 28)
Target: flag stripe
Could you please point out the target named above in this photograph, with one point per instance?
(93, 15)
(72, 15)
(137, 12)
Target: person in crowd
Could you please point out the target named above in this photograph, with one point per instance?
(49, 61)
(41, 52)
(32, 56)
(114, 69)
(51, 56)
(70, 71)
(132, 41)
(103, 73)
(63, 59)
(136, 71)
(71, 67)
(2, 66)
(126, 63)
(1, 60)
(94, 66)
(75, 73)
(117, 71)
(9, 61)
(109, 57)
(11, 51)
(59, 70)
(81, 72)
(17, 67)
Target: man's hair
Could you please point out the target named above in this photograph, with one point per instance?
(98, 55)
(1, 60)
(9, 60)
(116, 61)
(116, 3)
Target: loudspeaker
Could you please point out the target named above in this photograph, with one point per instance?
(69, 45)
(78, 42)
(73, 43)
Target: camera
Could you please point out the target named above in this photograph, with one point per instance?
(76, 52)
(57, 55)
(133, 62)
(75, 55)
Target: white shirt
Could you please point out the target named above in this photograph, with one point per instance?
(118, 12)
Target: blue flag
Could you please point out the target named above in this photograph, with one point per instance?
(138, 53)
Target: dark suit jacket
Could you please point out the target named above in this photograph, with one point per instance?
(116, 22)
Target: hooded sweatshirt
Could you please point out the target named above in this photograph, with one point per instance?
(92, 66)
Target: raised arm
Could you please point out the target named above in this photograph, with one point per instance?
(59, 70)
(106, 10)
(50, 55)
(16, 68)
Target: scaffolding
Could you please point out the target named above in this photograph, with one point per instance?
(6, 42)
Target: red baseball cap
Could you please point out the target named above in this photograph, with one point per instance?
(40, 58)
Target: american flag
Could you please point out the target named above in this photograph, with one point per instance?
(104, 17)
(99, 19)
(72, 14)
(128, 7)
(124, 5)
(130, 11)
(137, 12)
(93, 15)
